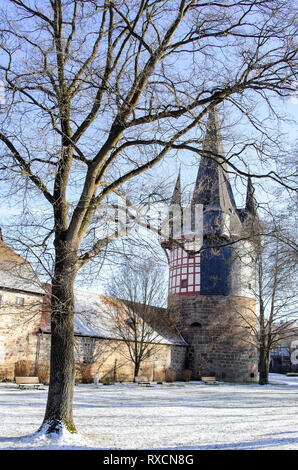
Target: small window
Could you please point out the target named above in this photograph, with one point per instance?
(130, 322)
(252, 375)
(184, 283)
(19, 301)
(1, 300)
(197, 324)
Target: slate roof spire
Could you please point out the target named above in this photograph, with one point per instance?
(251, 203)
(250, 217)
(212, 188)
(176, 196)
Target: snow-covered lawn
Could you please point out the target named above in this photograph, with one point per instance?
(170, 416)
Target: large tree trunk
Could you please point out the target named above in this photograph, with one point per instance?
(136, 369)
(58, 413)
(263, 367)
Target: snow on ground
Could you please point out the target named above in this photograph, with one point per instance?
(175, 416)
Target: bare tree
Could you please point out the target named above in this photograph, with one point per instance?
(99, 92)
(275, 318)
(137, 309)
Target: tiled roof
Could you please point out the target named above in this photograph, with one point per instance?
(16, 273)
(92, 318)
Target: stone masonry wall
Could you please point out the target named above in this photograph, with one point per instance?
(214, 327)
(110, 359)
(24, 351)
(18, 324)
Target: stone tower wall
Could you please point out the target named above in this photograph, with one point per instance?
(18, 324)
(218, 341)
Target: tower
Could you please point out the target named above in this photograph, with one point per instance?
(214, 287)
(184, 266)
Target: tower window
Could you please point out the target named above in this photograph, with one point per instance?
(184, 283)
(19, 301)
(196, 324)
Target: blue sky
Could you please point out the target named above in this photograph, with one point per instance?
(13, 206)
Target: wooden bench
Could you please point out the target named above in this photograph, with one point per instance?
(143, 381)
(209, 380)
(28, 382)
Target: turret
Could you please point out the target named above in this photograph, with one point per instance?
(252, 225)
(212, 187)
(181, 241)
(173, 218)
(251, 203)
(176, 197)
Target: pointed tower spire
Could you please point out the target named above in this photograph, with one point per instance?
(176, 197)
(212, 186)
(251, 203)
(251, 221)
(168, 224)
(213, 139)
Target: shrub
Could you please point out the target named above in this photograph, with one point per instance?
(43, 372)
(170, 375)
(186, 375)
(88, 373)
(108, 380)
(124, 377)
(24, 368)
(159, 375)
(78, 374)
(7, 372)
